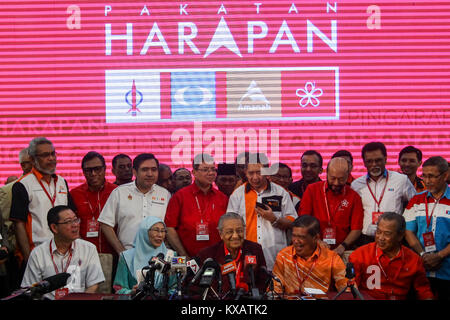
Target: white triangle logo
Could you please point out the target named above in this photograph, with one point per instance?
(222, 37)
(254, 99)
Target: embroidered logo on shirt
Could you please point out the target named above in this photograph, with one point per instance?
(344, 203)
(130, 197)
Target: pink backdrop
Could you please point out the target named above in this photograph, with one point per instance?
(373, 77)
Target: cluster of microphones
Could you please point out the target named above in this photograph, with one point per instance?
(205, 282)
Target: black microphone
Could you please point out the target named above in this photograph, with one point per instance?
(229, 268)
(350, 271)
(250, 264)
(50, 284)
(207, 263)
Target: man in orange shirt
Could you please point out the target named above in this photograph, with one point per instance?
(306, 263)
(386, 269)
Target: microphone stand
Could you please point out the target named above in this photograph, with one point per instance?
(205, 293)
(353, 289)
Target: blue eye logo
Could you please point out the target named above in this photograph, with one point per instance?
(193, 96)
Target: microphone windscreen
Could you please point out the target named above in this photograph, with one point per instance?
(57, 281)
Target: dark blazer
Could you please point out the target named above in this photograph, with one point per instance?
(217, 252)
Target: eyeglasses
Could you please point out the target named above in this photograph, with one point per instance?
(214, 170)
(91, 170)
(230, 232)
(74, 221)
(158, 230)
(431, 177)
(47, 154)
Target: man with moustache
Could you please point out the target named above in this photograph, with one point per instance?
(35, 194)
(181, 178)
(194, 211)
(428, 225)
(381, 190)
(409, 160)
(307, 263)
(90, 198)
(386, 269)
(311, 167)
(130, 203)
(122, 169)
(337, 207)
(65, 252)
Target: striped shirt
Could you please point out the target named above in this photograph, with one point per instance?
(316, 272)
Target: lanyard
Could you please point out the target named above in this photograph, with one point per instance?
(98, 204)
(301, 280)
(53, 260)
(52, 199)
(382, 270)
(202, 213)
(327, 207)
(378, 202)
(237, 261)
(429, 217)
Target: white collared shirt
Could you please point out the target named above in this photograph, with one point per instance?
(127, 206)
(399, 190)
(84, 267)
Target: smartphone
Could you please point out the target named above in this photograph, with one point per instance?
(261, 205)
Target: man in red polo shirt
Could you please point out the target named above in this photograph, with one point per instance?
(337, 207)
(90, 198)
(194, 211)
(386, 269)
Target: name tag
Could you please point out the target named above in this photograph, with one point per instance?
(329, 235)
(202, 232)
(92, 228)
(428, 241)
(375, 217)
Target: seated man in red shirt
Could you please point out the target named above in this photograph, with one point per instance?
(386, 269)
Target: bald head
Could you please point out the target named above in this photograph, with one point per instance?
(337, 174)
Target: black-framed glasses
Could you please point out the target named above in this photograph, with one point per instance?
(156, 230)
(90, 170)
(47, 154)
(431, 176)
(74, 221)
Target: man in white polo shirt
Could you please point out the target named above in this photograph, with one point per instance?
(65, 252)
(35, 194)
(130, 203)
(266, 207)
(380, 190)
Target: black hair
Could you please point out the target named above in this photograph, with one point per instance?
(309, 222)
(119, 156)
(410, 149)
(373, 146)
(313, 153)
(143, 157)
(92, 155)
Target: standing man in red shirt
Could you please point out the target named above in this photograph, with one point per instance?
(386, 269)
(90, 197)
(337, 207)
(194, 211)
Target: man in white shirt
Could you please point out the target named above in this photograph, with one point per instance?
(65, 252)
(130, 203)
(266, 207)
(381, 190)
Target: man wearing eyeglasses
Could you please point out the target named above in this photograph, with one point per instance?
(428, 225)
(65, 252)
(381, 190)
(130, 203)
(90, 198)
(194, 211)
(35, 194)
(311, 167)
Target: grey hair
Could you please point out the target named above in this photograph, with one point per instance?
(228, 216)
(393, 216)
(23, 153)
(35, 142)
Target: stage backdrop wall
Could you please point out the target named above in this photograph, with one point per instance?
(178, 77)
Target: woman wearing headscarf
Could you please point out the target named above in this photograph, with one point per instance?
(149, 242)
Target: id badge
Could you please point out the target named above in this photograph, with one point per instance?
(202, 232)
(92, 228)
(375, 216)
(428, 241)
(329, 235)
(61, 293)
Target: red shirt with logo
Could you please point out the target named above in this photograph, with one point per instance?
(345, 210)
